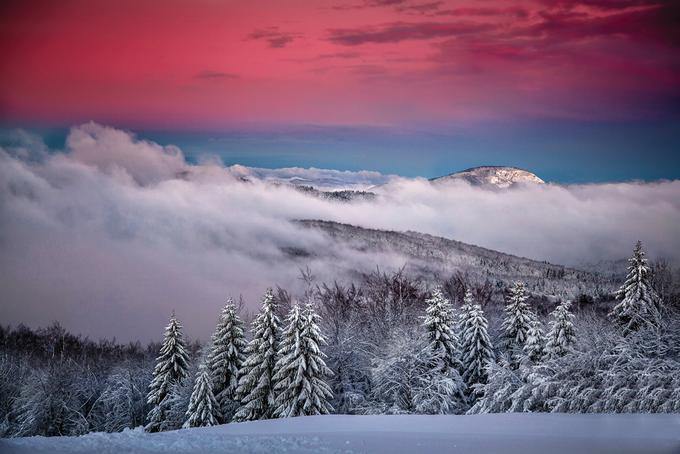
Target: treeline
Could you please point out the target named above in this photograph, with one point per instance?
(388, 345)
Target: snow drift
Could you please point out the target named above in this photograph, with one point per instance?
(510, 433)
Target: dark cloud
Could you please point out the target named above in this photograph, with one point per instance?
(398, 5)
(605, 5)
(653, 21)
(517, 12)
(368, 4)
(420, 8)
(658, 23)
(276, 38)
(401, 31)
(215, 75)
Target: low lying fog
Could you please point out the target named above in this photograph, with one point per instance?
(113, 233)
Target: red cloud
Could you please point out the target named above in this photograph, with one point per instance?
(366, 62)
(276, 38)
(401, 31)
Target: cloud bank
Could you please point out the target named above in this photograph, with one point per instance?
(113, 233)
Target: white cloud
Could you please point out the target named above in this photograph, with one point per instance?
(113, 234)
(115, 152)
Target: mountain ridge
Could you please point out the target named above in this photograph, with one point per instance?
(501, 177)
(435, 256)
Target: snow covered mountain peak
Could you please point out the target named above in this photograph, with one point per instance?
(492, 176)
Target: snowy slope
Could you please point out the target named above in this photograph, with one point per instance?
(491, 433)
(428, 256)
(492, 176)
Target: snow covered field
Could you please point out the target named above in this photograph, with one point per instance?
(488, 434)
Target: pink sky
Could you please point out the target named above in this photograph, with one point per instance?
(206, 64)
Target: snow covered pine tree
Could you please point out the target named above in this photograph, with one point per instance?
(518, 318)
(640, 304)
(225, 359)
(476, 350)
(203, 409)
(172, 367)
(439, 324)
(442, 388)
(561, 337)
(255, 389)
(300, 383)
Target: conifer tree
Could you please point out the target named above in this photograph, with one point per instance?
(172, 367)
(203, 409)
(439, 324)
(255, 389)
(476, 350)
(640, 304)
(300, 382)
(225, 359)
(562, 336)
(518, 317)
(533, 347)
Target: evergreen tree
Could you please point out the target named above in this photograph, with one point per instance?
(476, 350)
(172, 367)
(561, 336)
(439, 324)
(255, 389)
(225, 360)
(640, 304)
(518, 317)
(300, 382)
(533, 347)
(203, 409)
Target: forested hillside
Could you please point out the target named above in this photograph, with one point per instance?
(434, 258)
(390, 343)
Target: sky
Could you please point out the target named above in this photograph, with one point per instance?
(575, 90)
(126, 128)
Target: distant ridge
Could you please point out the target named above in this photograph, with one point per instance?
(430, 256)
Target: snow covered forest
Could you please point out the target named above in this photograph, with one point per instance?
(387, 344)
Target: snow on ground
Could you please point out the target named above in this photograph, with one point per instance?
(490, 433)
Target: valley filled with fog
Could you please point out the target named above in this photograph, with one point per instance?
(114, 225)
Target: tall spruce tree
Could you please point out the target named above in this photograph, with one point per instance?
(203, 409)
(640, 304)
(172, 367)
(518, 318)
(300, 380)
(476, 350)
(440, 326)
(225, 359)
(562, 336)
(255, 389)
